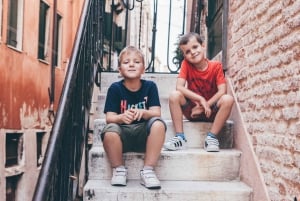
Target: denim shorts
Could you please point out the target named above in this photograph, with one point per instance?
(133, 136)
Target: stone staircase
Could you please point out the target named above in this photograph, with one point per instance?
(185, 175)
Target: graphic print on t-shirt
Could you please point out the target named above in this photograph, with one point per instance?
(140, 105)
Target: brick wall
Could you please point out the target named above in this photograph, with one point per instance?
(264, 65)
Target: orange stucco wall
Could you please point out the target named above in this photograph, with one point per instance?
(24, 80)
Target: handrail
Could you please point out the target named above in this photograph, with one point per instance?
(67, 141)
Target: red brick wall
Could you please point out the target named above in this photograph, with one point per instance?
(264, 65)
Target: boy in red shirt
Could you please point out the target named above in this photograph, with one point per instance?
(200, 94)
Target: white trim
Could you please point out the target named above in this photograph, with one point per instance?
(20, 24)
(1, 13)
(59, 41)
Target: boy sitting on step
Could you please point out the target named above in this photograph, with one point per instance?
(133, 118)
(200, 94)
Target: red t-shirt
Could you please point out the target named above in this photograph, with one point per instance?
(205, 83)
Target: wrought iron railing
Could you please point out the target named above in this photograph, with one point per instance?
(59, 176)
(113, 41)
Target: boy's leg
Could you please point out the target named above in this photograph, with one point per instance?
(225, 105)
(176, 101)
(113, 147)
(154, 144)
(224, 108)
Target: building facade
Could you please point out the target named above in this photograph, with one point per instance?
(33, 63)
(259, 48)
(263, 61)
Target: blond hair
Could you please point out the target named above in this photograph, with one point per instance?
(130, 49)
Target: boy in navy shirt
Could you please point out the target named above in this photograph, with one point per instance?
(133, 118)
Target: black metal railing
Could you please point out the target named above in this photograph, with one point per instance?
(59, 176)
(115, 40)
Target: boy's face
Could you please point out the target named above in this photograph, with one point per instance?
(131, 65)
(193, 51)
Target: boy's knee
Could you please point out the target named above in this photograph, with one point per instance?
(157, 122)
(230, 99)
(110, 136)
(175, 95)
(227, 99)
(110, 129)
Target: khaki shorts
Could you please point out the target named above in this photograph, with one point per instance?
(133, 136)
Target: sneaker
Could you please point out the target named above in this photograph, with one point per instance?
(211, 144)
(149, 179)
(175, 143)
(119, 177)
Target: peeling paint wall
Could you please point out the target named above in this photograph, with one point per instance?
(24, 82)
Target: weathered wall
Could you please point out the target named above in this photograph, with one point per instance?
(24, 81)
(264, 65)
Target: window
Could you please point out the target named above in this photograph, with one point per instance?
(44, 32)
(58, 42)
(14, 149)
(11, 187)
(0, 20)
(40, 147)
(214, 27)
(15, 24)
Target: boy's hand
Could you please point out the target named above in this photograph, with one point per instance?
(201, 106)
(138, 114)
(132, 115)
(128, 116)
(206, 107)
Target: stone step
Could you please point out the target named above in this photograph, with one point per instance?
(101, 190)
(189, 164)
(195, 133)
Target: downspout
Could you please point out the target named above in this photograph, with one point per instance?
(52, 64)
(224, 34)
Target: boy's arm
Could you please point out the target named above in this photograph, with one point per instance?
(133, 114)
(180, 86)
(153, 111)
(112, 117)
(222, 89)
(199, 100)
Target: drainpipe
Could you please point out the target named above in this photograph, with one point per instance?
(225, 35)
(52, 62)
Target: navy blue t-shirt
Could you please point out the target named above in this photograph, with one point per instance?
(119, 98)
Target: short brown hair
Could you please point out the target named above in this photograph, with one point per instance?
(186, 38)
(130, 49)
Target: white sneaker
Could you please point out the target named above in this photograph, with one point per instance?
(211, 144)
(119, 177)
(149, 179)
(175, 143)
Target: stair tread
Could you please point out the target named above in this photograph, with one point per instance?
(199, 151)
(197, 163)
(170, 191)
(173, 185)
